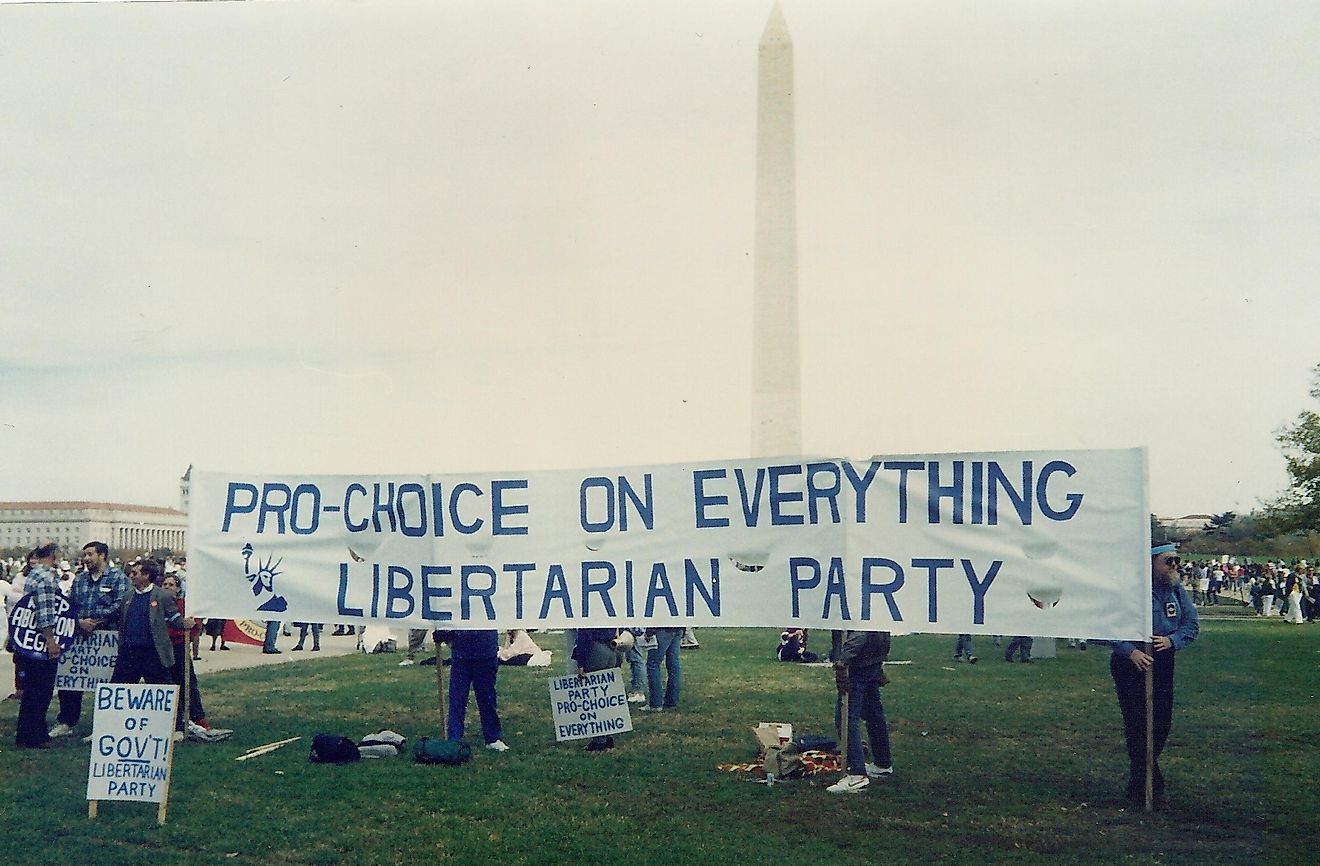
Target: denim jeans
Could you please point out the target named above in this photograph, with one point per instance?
(963, 648)
(1021, 645)
(666, 650)
(636, 669)
(864, 704)
(272, 635)
(315, 628)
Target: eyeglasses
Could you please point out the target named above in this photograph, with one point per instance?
(1172, 560)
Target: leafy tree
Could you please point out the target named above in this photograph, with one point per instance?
(1298, 508)
(1220, 524)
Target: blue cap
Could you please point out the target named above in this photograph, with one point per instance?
(1157, 549)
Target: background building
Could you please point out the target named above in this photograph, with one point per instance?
(128, 529)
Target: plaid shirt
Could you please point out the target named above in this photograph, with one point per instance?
(44, 584)
(99, 599)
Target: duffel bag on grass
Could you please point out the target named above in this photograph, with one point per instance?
(433, 751)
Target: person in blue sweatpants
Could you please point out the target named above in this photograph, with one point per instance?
(474, 665)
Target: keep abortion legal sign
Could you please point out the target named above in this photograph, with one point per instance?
(1042, 543)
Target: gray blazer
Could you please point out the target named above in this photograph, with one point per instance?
(164, 608)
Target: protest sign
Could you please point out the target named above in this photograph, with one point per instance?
(1041, 543)
(30, 642)
(89, 661)
(592, 705)
(132, 744)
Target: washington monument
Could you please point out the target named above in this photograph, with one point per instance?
(776, 368)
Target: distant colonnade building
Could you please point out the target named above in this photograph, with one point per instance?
(125, 528)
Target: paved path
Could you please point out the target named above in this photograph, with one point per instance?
(238, 656)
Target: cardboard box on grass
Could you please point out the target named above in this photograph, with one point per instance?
(777, 734)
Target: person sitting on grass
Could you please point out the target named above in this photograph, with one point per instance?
(519, 649)
(793, 646)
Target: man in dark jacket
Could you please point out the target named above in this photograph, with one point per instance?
(596, 650)
(145, 651)
(859, 672)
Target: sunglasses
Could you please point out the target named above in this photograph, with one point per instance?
(1172, 560)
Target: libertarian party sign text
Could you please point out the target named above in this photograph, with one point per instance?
(132, 735)
(89, 661)
(1043, 543)
(592, 705)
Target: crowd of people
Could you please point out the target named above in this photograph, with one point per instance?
(1289, 590)
(156, 641)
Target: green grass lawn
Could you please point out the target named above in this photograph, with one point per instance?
(994, 763)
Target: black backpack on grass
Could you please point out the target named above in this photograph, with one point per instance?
(333, 749)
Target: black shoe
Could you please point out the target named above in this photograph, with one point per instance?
(273, 652)
(224, 648)
(1026, 661)
(297, 649)
(316, 649)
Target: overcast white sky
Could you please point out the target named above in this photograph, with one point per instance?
(443, 236)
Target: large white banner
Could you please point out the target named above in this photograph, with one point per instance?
(1032, 543)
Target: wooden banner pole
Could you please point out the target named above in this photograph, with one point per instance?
(187, 692)
(169, 774)
(1150, 729)
(843, 726)
(440, 688)
(258, 751)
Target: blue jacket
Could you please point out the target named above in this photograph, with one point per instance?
(1172, 615)
(475, 644)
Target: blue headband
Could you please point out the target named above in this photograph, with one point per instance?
(1163, 548)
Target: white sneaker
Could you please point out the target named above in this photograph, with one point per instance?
(874, 772)
(849, 785)
(406, 662)
(179, 736)
(60, 730)
(498, 746)
(637, 698)
(87, 739)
